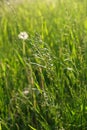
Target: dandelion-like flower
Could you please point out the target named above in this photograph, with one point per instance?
(23, 35)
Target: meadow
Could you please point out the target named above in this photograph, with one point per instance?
(43, 65)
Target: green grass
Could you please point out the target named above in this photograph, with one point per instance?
(44, 88)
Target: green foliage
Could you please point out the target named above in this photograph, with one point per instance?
(43, 80)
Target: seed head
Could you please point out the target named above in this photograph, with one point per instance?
(23, 35)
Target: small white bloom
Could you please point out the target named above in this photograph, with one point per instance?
(26, 92)
(23, 35)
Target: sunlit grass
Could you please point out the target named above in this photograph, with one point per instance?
(43, 80)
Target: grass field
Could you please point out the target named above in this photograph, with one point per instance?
(43, 65)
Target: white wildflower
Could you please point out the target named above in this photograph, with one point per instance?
(26, 92)
(23, 35)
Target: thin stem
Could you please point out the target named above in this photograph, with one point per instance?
(24, 47)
